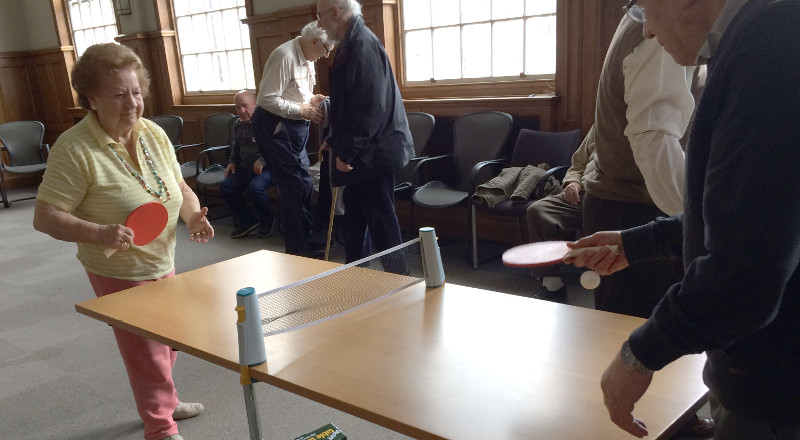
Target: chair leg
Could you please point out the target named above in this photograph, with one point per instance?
(474, 230)
(411, 220)
(6, 203)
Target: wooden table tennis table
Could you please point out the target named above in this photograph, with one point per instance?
(452, 362)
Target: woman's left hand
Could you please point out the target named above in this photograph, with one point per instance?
(200, 229)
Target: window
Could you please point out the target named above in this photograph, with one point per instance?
(214, 45)
(92, 22)
(471, 40)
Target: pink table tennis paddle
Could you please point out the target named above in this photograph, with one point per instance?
(147, 222)
(545, 253)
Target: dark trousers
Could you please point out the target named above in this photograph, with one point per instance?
(282, 142)
(369, 216)
(636, 289)
(256, 185)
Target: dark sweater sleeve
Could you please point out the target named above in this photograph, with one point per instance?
(749, 126)
(661, 239)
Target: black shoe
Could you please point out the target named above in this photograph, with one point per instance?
(269, 230)
(244, 231)
(559, 296)
(316, 244)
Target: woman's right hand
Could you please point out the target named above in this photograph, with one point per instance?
(116, 236)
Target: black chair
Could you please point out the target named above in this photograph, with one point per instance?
(22, 142)
(478, 137)
(421, 126)
(211, 162)
(531, 148)
(217, 132)
(172, 126)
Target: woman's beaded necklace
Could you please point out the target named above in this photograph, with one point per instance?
(136, 175)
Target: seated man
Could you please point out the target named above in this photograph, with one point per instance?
(560, 217)
(247, 171)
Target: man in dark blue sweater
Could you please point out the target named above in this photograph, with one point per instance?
(739, 234)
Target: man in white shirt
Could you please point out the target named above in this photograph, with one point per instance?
(644, 106)
(286, 106)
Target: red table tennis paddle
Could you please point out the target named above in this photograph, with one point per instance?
(545, 253)
(147, 222)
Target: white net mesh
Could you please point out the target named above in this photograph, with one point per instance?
(340, 290)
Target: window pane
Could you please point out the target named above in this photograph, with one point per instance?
(199, 34)
(419, 66)
(233, 35)
(248, 69)
(80, 42)
(416, 14)
(108, 12)
(205, 70)
(191, 73)
(507, 9)
(111, 33)
(444, 12)
(236, 68)
(75, 16)
(540, 47)
(446, 53)
(244, 29)
(221, 75)
(506, 47)
(475, 10)
(97, 13)
(213, 31)
(477, 41)
(181, 7)
(537, 7)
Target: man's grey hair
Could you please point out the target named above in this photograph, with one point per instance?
(312, 30)
(349, 6)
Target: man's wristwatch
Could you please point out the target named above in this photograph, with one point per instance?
(631, 363)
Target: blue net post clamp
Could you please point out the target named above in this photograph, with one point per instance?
(251, 337)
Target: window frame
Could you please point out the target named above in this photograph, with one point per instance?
(539, 84)
(71, 29)
(209, 97)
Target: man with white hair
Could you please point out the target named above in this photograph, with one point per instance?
(369, 138)
(286, 106)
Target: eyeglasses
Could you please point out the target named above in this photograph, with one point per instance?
(327, 51)
(634, 11)
(320, 14)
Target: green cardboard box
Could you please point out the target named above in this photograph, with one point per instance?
(327, 432)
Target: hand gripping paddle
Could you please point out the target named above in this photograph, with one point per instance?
(546, 253)
(147, 222)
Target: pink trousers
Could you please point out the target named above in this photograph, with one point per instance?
(149, 366)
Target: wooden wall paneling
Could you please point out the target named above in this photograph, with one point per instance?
(49, 70)
(16, 94)
(139, 43)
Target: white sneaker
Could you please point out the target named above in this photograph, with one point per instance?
(173, 437)
(187, 411)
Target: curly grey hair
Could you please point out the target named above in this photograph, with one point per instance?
(312, 30)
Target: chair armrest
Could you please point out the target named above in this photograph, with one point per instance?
(487, 167)
(178, 149)
(203, 154)
(424, 162)
(45, 152)
(557, 172)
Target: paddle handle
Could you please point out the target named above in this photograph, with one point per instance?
(575, 252)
